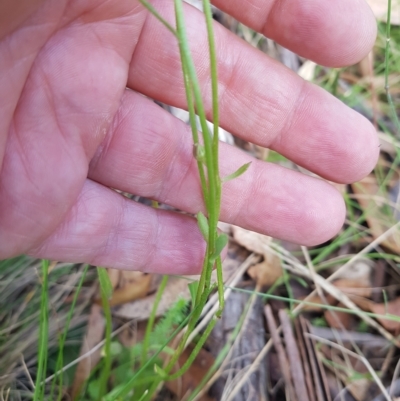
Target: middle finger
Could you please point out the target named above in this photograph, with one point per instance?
(149, 152)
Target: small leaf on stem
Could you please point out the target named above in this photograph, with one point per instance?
(160, 371)
(193, 287)
(203, 225)
(220, 244)
(237, 173)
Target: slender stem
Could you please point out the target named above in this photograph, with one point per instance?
(106, 371)
(63, 338)
(387, 59)
(220, 282)
(152, 318)
(43, 334)
(153, 11)
(195, 351)
(215, 102)
(189, 65)
(193, 125)
(208, 166)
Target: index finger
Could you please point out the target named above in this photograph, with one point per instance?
(332, 33)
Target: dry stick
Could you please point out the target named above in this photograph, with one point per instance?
(27, 372)
(360, 358)
(252, 369)
(339, 295)
(85, 355)
(268, 345)
(395, 377)
(294, 357)
(322, 296)
(304, 356)
(282, 357)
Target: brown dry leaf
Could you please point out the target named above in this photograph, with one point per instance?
(316, 301)
(140, 309)
(392, 308)
(359, 271)
(355, 282)
(267, 272)
(367, 194)
(176, 288)
(133, 285)
(94, 334)
(252, 241)
(115, 276)
(192, 378)
(379, 7)
(354, 287)
(338, 319)
(359, 388)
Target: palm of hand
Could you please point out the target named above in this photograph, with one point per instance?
(72, 130)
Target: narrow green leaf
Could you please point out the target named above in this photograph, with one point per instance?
(203, 225)
(153, 11)
(220, 244)
(105, 282)
(160, 371)
(193, 287)
(237, 173)
(43, 334)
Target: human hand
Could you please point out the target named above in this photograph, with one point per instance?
(70, 129)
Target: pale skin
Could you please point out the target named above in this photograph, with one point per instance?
(70, 130)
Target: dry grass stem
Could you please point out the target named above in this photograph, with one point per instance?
(282, 357)
(294, 357)
(360, 358)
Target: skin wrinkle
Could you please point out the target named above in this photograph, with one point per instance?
(106, 143)
(267, 19)
(49, 99)
(301, 97)
(155, 238)
(188, 165)
(112, 239)
(164, 162)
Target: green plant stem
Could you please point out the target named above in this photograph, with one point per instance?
(152, 318)
(206, 154)
(195, 351)
(125, 390)
(215, 99)
(220, 283)
(193, 125)
(105, 294)
(387, 59)
(190, 68)
(63, 337)
(153, 11)
(223, 353)
(43, 334)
